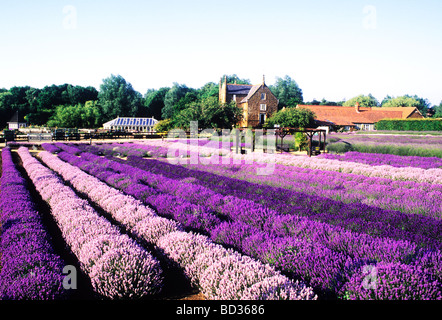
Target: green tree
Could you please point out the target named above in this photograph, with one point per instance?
(364, 101)
(438, 111)
(209, 113)
(210, 89)
(171, 99)
(287, 92)
(76, 116)
(292, 117)
(117, 97)
(233, 78)
(154, 102)
(407, 101)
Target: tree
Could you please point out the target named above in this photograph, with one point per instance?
(118, 98)
(76, 116)
(209, 113)
(364, 101)
(154, 102)
(287, 92)
(233, 78)
(292, 117)
(407, 101)
(173, 95)
(78, 94)
(438, 111)
(210, 89)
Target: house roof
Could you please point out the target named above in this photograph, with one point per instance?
(348, 116)
(16, 118)
(239, 89)
(251, 92)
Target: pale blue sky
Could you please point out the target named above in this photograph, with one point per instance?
(332, 49)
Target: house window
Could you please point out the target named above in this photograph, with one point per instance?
(263, 107)
(263, 96)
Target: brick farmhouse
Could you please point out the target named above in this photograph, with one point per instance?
(257, 101)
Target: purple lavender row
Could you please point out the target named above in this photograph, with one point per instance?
(30, 268)
(421, 198)
(405, 196)
(262, 282)
(307, 259)
(358, 246)
(280, 200)
(387, 159)
(106, 170)
(358, 217)
(117, 266)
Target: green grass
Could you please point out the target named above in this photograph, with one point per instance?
(342, 147)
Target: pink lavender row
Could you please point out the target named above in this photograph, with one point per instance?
(262, 282)
(330, 268)
(387, 159)
(30, 268)
(116, 265)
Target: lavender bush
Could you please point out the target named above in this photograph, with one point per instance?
(115, 273)
(296, 254)
(30, 268)
(387, 159)
(157, 231)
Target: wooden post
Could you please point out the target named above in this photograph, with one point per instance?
(237, 140)
(309, 144)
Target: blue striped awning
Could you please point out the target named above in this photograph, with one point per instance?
(132, 122)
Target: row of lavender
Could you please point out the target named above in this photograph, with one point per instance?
(359, 217)
(220, 273)
(387, 159)
(116, 265)
(327, 256)
(30, 268)
(214, 153)
(406, 196)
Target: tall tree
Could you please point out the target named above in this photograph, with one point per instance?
(287, 92)
(407, 101)
(117, 97)
(292, 117)
(209, 113)
(173, 95)
(363, 100)
(233, 78)
(154, 102)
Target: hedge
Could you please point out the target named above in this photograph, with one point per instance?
(410, 125)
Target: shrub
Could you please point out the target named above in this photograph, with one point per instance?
(410, 125)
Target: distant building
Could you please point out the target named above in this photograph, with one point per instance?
(131, 124)
(257, 101)
(359, 118)
(17, 122)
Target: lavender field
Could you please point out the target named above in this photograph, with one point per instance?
(134, 215)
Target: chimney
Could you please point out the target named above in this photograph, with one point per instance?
(357, 107)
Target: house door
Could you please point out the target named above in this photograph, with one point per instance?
(262, 118)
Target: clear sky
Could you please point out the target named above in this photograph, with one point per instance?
(333, 49)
